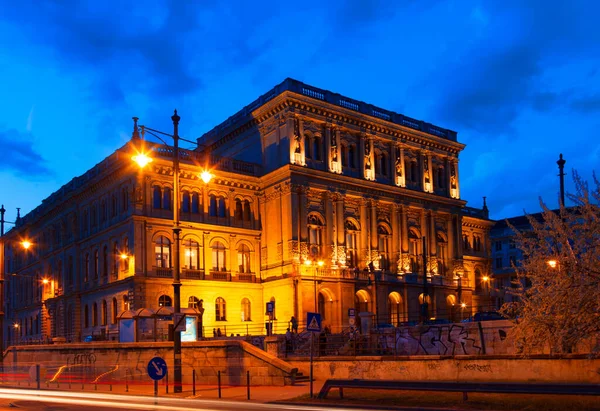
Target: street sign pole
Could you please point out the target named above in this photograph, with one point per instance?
(312, 342)
(313, 324)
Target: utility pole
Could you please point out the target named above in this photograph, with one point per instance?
(561, 174)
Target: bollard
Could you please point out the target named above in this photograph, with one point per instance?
(167, 383)
(126, 381)
(156, 388)
(248, 383)
(37, 375)
(194, 381)
(219, 382)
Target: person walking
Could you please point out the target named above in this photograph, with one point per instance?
(294, 324)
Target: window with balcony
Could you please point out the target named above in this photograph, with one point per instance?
(244, 259)
(315, 235)
(219, 256)
(383, 235)
(162, 252)
(192, 254)
(414, 249)
(220, 307)
(351, 244)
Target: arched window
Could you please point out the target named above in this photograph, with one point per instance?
(192, 254)
(114, 206)
(116, 260)
(351, 244)
(193, 302)
(166, 200)
(219, 256)
(86, 268)
(244, 259)
(321, 305)
(86, 317)
(126, 252)
(125, 302)
(220, 306)
(156, 197)
(238, 209)
(115, 310)
(96, 264)
(103, 212)
(195, 203)
(165, 301)
(361, 301)
(104, 313)
(427, 298)
(315, 235)
(466, 243)
(414, 250)
(162, 252)
(105, 261)
(94, 315)
(222, 208)
(247, 212)
(246, 310)
(185, 202)
(394, 308)
(212, 210)
(384, 247)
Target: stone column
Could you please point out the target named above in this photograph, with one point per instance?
(232, 254)
(395, 251)
(364, 229)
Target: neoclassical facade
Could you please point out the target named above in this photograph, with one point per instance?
(318, 203)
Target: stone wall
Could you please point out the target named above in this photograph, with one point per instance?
(576, 369)
(117, 362)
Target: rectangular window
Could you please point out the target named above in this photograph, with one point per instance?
(498, 245)
(499, 262)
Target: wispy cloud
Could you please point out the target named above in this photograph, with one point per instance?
(20, 157)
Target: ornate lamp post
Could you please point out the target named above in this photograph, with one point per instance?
(142, 159)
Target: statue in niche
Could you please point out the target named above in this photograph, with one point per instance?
(297, 149)
(398, 163)
(426, 170)
(452, 177)
(368, 155)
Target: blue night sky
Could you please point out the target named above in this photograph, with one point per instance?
(518, 80)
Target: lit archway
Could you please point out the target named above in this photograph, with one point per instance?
(395, 308)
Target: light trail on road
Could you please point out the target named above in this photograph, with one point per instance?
(137, 402)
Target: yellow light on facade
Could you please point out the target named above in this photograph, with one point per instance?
(463, 305)
(16, 325)
(486, 278)
(26, 244)
(206, 176)
(320, 263)
(307, 262)
(45, 281)
(142, 159)
(124, 256)
(552, 263)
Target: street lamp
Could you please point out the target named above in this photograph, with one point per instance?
(319, 263)
(552, 263)
(142, 159)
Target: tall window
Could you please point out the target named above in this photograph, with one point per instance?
(192, 254)
(466, 244)
(193, 302)
(315, 235)
(244, 259)
(352, 156)
(94, 315)
(70, 270)
(414, 249)
(222, 208)
(166, 198)
(165, 301)
(477, 243)
(220, 306)
(321, 305)
(126, 251)
(442, 254)
(238, 209)
(114, 206)
(344, 155)
(116, 259)
(212, 206)
(317, 148)
(307, 147)
(218, 256)
(195, 203)
(86, 317)
(124, 199)
(246, 311)
(156, 197)
(185, 202)
(247, 211)
(104, 313)
(96, 264)
(351, 244)
(384, 247)
(86, 267)
(478, 280)
(105, 261)
(162, 252)
(115, 310)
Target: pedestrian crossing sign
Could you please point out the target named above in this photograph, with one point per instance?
(313, 322)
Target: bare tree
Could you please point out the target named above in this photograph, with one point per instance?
(558, 281)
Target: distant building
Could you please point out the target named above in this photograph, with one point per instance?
(318, 203)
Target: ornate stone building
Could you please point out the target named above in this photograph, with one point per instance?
(318, 203)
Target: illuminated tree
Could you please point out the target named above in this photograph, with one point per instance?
(558, 278)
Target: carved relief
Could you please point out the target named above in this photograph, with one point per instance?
(404, 263)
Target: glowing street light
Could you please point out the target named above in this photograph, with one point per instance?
(552, 263)
(26, 244)
(206, 176)
(45, 281)
(142, 159)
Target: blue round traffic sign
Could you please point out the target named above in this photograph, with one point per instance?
(157, 368)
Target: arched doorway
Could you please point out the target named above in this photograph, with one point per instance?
(395, 309)
(362, 298)
(450, 307)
